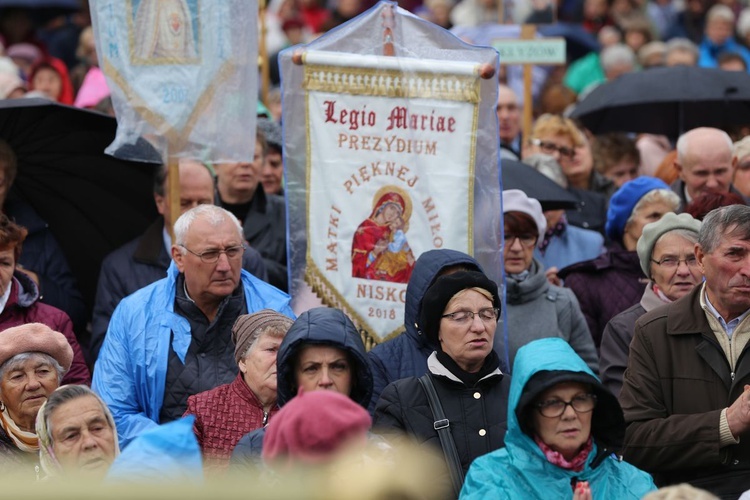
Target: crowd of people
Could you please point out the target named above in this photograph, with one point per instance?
(609, 361)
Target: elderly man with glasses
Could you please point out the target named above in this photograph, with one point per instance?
(172, 339)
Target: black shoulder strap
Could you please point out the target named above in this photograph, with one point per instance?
(442, 426)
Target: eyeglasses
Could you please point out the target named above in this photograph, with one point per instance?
(527, 240)
(550, 148)
(487, 314)
(674, 262)
(212, 255)
(552, 408)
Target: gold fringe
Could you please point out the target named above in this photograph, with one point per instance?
(391, 83)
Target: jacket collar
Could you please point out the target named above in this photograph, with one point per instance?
(435, 367)
(650, 300)
(686, 317)
(150, 249)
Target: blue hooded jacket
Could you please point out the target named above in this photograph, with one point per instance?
(521, 470)
(406, 355)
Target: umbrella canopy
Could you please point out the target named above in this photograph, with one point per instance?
(551, 196)
(667, 101)
(42, 4)
(92, 202)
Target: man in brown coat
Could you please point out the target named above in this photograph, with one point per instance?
(686, 395)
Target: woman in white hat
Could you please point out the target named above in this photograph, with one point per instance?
(535, 308)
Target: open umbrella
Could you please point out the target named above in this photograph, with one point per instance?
(668, 101)
(42, 4)
(551, 196)
(92, 202)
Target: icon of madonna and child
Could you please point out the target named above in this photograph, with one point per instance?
(380, 250)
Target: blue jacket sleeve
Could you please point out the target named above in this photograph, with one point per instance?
(114, 380)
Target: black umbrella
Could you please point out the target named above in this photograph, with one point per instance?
(668, 101)
(551, 196)
(42, 4)
(92, 202)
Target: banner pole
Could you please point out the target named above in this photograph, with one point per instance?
(173, 186)
(388, 47)
(265, 70)
(528, 32)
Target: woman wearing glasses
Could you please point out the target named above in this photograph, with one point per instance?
(535, 308)
(466, 418)
(563, 427)
(666, 250)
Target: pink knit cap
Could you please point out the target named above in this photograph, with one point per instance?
(313, 426)
(35, 337)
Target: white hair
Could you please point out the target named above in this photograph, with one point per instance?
(212, 214)
(743, 23)
(682, 45)
(616, 55)
(720, 12)
(683, 144)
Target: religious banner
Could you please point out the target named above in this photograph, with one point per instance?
(183, 74)
(387, 157)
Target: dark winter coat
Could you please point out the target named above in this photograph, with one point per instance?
(605, 286)
(677, 383)
(265, 229)
(24, 307)
(615, 348)
(477, 414)
(406, 355)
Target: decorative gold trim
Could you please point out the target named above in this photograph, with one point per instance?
(472, 175)
(330, 297)
(391, 83)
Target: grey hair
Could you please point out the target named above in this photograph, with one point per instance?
(69, 393)
(655, 195)
(720, 13)
(616, 55)
(683, 143)
(212, 214)
(743, 23)
(732, 220)
(682, 45)
(19, 359)
(276, 331)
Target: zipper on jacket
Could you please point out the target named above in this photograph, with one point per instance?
(265, 413)
(732, 375)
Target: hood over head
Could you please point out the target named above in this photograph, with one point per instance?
(544, 363)
(329, 327)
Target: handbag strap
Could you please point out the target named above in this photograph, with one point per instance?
(442, 426)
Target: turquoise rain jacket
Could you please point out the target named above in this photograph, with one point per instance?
(131, 370)
(520, 470)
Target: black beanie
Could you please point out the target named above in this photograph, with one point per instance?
(442, 291)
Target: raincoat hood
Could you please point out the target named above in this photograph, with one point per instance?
(544, 363)
(428, 266)
(329, 327)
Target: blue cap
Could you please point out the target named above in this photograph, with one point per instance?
(623, 202)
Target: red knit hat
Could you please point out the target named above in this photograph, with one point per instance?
(313, 426)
